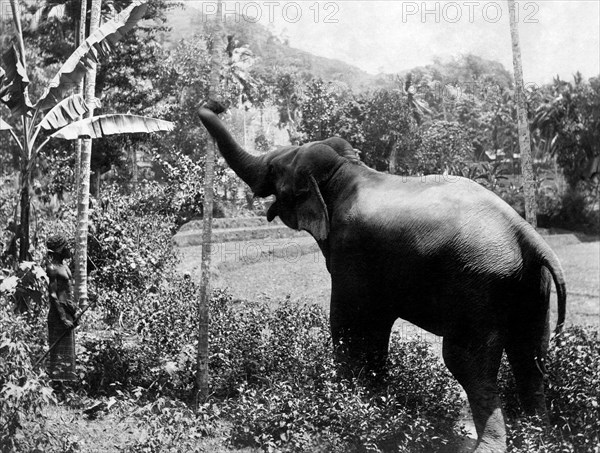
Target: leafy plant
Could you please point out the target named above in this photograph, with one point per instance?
(168, 425)
(302, 411)
(572, 393)
(445, 148)
(23, 390)
(27, 289)
(129, 247)
(568, 124)
(107, 366)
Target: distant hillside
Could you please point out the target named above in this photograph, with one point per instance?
(273, 53)
(464, 69)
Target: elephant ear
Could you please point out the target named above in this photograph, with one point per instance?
(311, 210)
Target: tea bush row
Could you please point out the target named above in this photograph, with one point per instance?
(572, 389)
(273, 376)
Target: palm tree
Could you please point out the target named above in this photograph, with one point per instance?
(83, 171)
(81, 25)
(524, 138)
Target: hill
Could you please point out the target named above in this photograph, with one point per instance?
(274, 53)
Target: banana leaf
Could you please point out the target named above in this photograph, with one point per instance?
(4, 126)
(64, 112)
(94, 47)
(13, 90)
(2, 87)
(103, 125)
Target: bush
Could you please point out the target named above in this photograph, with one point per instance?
(23, 389)
(444, 147)
(161, 357)
(250, 342)
(129, 250)
(170, 426)
(579, 209)
(290, 397)
(27, 289)
(273, 367)
(417, 411)
(107, 366)
(572, 394)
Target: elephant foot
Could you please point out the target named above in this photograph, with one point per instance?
(471, 445)
(493, 437)
(486, 447)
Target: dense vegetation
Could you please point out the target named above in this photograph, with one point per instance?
(274, 383)
(456, 116)
(273, 380)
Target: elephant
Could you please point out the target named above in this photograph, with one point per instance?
(443, 253)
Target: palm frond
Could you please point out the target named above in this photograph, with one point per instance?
(96, 46)
(104, 125)
(64, 112)
(13, 88)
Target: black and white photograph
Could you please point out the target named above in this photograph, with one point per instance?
(347, 226)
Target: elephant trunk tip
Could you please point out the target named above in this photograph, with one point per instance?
(215, 106)
(250, 168)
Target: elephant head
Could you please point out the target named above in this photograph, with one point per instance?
(294, 174)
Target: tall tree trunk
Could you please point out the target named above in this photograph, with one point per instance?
(25, 179)
(83, 200)
(134, 165)
(207, 217)
(393, 162)
(524, 138)
(78, 147)
(25, 205)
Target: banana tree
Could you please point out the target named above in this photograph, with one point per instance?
(56, 113)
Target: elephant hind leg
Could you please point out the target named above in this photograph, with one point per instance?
(527, 344)
(526, 350)
(528, 370)
(475, 363)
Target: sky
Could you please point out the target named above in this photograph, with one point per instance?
(557, 37)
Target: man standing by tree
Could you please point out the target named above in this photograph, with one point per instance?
(61, 313)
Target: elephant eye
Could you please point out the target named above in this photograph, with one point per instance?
(302, 195)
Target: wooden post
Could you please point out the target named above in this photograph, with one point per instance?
(207, 217)
(524, 138)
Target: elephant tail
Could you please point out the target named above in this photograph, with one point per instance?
(545, 256)
(550, 261)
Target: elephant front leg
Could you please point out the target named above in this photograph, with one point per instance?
(475, 363)
(361, 345)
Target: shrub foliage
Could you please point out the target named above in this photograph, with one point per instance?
(572, 394)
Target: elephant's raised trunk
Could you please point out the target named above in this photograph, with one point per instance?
(251, 169)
